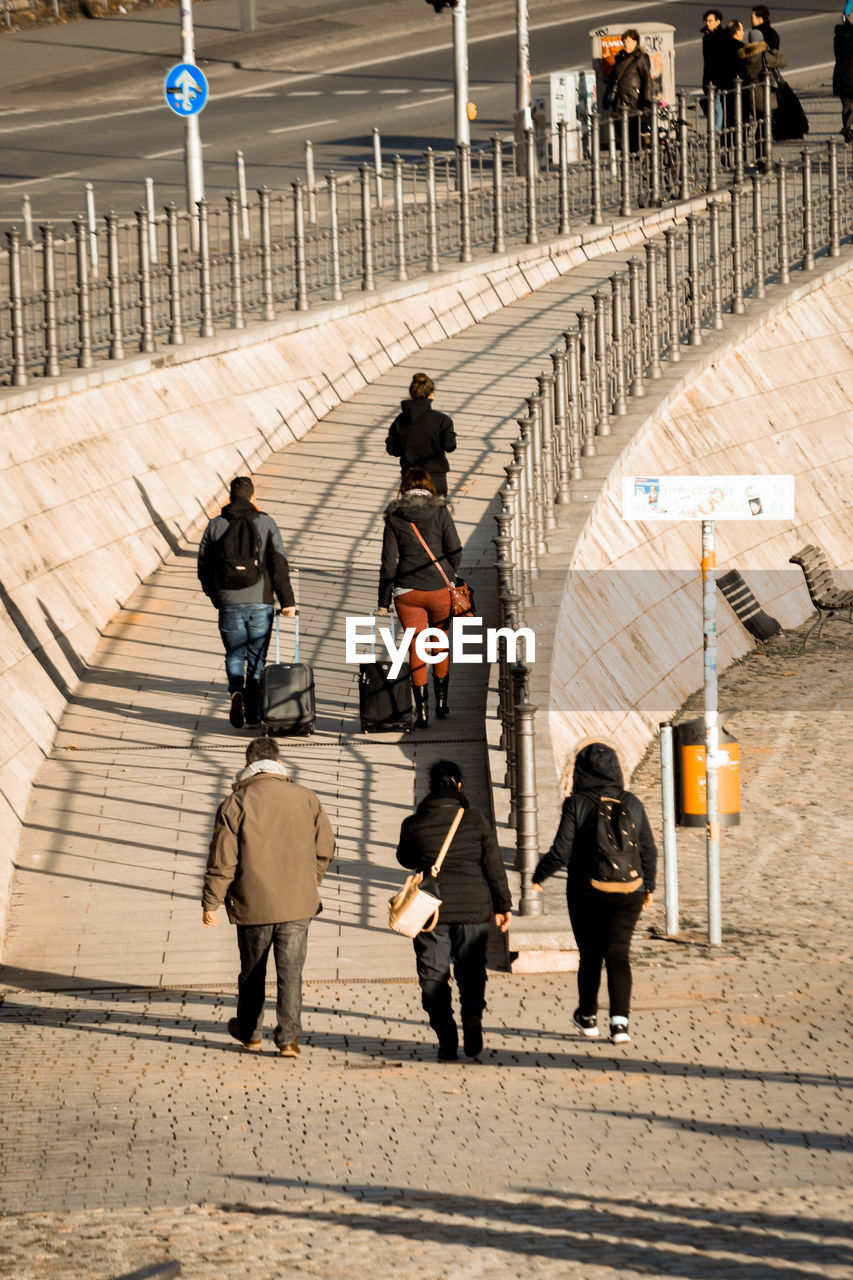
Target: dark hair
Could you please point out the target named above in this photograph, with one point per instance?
(262, 749)
(733, 26)
(443, 774)
(761, 12)
(417, 478)
(242, 487)
(633, 33)
(421, 387)
(712, 13)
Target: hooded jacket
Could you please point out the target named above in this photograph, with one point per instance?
(420, 436)
(275, 574)
(597, 773)
(472, 883)
(271, 846)
(405, 563)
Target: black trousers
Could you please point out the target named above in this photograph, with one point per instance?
(603, 925)
(463, 946)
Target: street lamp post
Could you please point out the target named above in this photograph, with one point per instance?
(522, 74)
(460, 72)
(192, 146)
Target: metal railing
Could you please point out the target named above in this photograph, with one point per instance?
(101, 290)
(763, 228)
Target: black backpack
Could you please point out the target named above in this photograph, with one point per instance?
(616, 864)
(238, 554)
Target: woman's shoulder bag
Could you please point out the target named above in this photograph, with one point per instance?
(414, 910)
(461, 594)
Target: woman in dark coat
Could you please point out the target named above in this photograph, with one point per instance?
(842, 75)
(410, 580)
(603, 922)
(420, 436)
(630, 84)
(473, 889)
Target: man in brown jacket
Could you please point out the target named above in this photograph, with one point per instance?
(271, 846)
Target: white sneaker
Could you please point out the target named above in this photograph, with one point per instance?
(619, 1033)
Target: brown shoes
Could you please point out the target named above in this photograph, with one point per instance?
(291, 1050)
(234, 1030)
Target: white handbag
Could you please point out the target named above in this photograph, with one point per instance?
(413, 910)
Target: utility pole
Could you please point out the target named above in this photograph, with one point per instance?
(192, 147)
(522, 74)
(460, 71)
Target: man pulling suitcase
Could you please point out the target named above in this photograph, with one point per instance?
(242, 568)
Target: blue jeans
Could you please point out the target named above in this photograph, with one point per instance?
(289, 944)
(245, 630)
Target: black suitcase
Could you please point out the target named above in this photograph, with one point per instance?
(287, 693)
(385, 705)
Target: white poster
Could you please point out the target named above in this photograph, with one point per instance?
(708, 498)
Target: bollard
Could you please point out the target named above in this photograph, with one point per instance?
(587, 389)
(499, 242)
(712, 139)
(16, 298)
(625, 165)
(716, 266)
(146, 305)
(463, 164)
(563, 153)
(400, 219)
(244, 200)
(759, 269)
(683, 147)
(738, 304)
(672, 290)
(670, 855)
(51, 332)
(638, 388)
(738, 131)
(694, 280)
(334, 236)
(266, 254)
(207, 326)
(834, 206)
(93, 230)
(546, 418)
(300, 265)
(84, 317)
(432, 213)
(114, 287)
(377, 165)
(152, 221)
(653, 310)
(595, 170)
(559, 361)
(176, 333)
(310, 182)
(237, 318)
(530, 169)
(367, 279)
(602, 373)
(808, 212)
(767, 124)
(527, 822)
(654, 156)
(620, 404)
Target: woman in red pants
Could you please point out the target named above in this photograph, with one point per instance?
(417, 523)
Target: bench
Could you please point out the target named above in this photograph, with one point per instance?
(829, 601)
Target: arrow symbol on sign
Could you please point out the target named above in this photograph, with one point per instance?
(187, 86)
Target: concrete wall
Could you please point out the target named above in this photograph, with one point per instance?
(629, 648)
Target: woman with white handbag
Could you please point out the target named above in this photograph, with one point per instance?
(472, 887)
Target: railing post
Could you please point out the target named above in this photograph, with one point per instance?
(114, 287)
(309, 182)
(531, 434)
(546, 384)
(716, 266)
(146, 305)
(84, 309)
(712, 138)
(51, 332)
(16, 297)
(596, 218)
(738, 304)
(625, 166)
(602, 372)
(559, 361)
(237, 318)
(499, 243)
(694, 281)
(300, 266)
(368, 283)
(738, 130)
(834, 205)
(400, 218)
(334, 235)
(531, 170)
(527, 829)
(672, 291)
(463, 157)
(758, 236)
(808, 212)
(563, 152)
(782, 203)
(617, 331)
(207, 326)
(767, 113)
(266, 254)
(683, 147)
(432, 212)
(638, 387)
(654, 155)
(653, 310)
(574, 399)
(176, 332)
(585, 320)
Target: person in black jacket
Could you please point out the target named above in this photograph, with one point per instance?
(716, 61)
(603, 922)
(420, 436)
(842, 75)
(760, 29)
(473, 889)
(409, 578)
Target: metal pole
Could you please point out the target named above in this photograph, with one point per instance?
(460, 71)
(638, 387)
(367, 279)
(499, 244)
(673, 285)
(16, 298)
(244, 199)
(192, 144)
(670, 853)
(563, 148)
(546, 382)
(653, 309)
(782, 207)
(602, 371)
(808, 226)
(51, 334)
(266, 254)
(625, 170)
(560, 363)
(152, 220)
(527, 817)
(299, 260)
(617, 334)
(758, 236)
(767, 157)
(716, 266)
(596, 216)
(585, 320)
(463, 168)
(400, 218)
(712, 139)
(248, 15)
(530, 170)
(176, 332)
(683, 146)
(522, 66)
(834, 206)
(738, 127)
(207, 326)
(334, 236)
(84, 314)
(709, 600)
(237, 319)
(93, 229)
(432, 213)
(146, 310)
(377, 164)
(114, 282)
(574, 397)
(738, 304)
(654, 156)
(694, 281)
(310, 183)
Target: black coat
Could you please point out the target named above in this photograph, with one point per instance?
(597, 773)
(405, 563)
(842, 75)
(631, 80)
(717, 63)
(420, 436)
(472, 883)
(769, 35)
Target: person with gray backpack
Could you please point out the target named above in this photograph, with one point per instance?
(606, 845)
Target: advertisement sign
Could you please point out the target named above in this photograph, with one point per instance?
(708, 498)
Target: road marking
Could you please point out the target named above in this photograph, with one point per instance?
(395, 91)
(161, 155)
(349, 93)
(261, 93)
(305, 93)
(289, 128)
(407, 106)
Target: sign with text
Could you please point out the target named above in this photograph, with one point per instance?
(708, 497)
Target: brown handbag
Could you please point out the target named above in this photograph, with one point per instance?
(413, 910)
(461, 594)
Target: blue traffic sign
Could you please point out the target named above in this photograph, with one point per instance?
(186, 89)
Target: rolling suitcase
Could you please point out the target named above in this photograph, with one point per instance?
(287, 692)
(385, 705)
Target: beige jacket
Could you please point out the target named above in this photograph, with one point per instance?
(271, 846)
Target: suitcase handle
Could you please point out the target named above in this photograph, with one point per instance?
(278, 637)
(392, 615)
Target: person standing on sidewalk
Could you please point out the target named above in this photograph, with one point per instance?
(842, 75)
(716, 62)
(242, 567)
(271, 846)
(420, 436)
(416, 523)
(473, 888)
(603, 920)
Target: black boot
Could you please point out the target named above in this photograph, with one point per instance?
(448, 1041)
(441, 708)
(421, 706)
